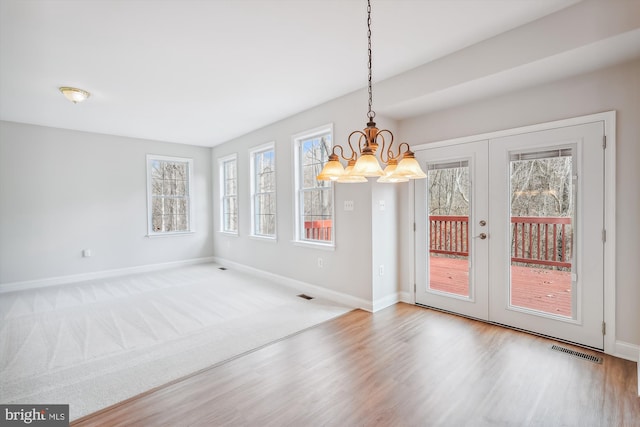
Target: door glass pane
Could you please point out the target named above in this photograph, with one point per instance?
(542, 217)
(448, 227)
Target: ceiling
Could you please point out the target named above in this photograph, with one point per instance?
(204, 72)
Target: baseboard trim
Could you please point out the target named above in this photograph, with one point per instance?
(406, 297)
(75, 278)
(300, 286)
(385, 302)
(628, 351)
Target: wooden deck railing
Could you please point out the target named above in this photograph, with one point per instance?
(449, 235)
(318, 230)
(535, 240)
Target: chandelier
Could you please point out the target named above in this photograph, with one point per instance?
(362, 163)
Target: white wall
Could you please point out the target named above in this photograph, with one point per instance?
(64, 191)
(385, 243)
(614, 88)
(349, 268)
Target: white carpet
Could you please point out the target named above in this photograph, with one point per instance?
(96, 343)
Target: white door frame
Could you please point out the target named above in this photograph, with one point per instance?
(609, 119)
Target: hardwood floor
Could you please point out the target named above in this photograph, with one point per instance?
(402, 366)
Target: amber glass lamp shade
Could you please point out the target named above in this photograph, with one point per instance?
(332, 170)
(367, 165)
(388, 176)
(347, 177)
(408, 168)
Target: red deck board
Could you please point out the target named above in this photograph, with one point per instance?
(535, 288)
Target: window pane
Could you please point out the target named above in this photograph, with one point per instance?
(182, 222)
(156, 170)
(169, 198)
(157, 222)
(181, 188)
(169, 171)
(315, 197)
(449, 190)
(318, 203)
(170, 206)
(183, 206)
(543, 200)
(264, 187)
(309, 176)
(230, 214)
(229, 189)
(169, 187)
(156, 187)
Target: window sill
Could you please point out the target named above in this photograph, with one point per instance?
(228, 233)
(267, 239)
(314, 245)
(170, 234)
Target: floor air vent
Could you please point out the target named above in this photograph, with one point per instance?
(305, 296)
(583, 356)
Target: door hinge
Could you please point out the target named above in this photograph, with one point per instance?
(414, 288)
(604, 328)
(604, 236)
(414, 226)
(604, 141)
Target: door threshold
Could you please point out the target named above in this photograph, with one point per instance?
(576, 344)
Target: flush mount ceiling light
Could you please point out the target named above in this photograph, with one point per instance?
(73, 94)
(401, 165)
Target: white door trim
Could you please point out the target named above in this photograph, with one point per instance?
(609, 120)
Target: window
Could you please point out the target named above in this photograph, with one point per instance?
(314, 199)
(229, 194)
(169, 195)
(263, 191)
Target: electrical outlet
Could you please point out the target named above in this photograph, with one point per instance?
(381, 270)
(381, 204)
(320, 263)
(86, 253)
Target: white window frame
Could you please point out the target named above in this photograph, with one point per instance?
(190, 200)
(297, 140)
(223, 195)
(252, 176)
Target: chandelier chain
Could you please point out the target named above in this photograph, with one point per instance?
(371, 114)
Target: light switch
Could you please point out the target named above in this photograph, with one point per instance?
(348, 205)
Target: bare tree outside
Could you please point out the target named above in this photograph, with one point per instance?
(316, 197)
(169, 196)
(230, 195)
(542, 187)
(449, 189)
(264, 196)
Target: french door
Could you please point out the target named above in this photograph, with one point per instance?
(509, 230)
(452, 258)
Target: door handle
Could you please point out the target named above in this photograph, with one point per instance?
(481, 236)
